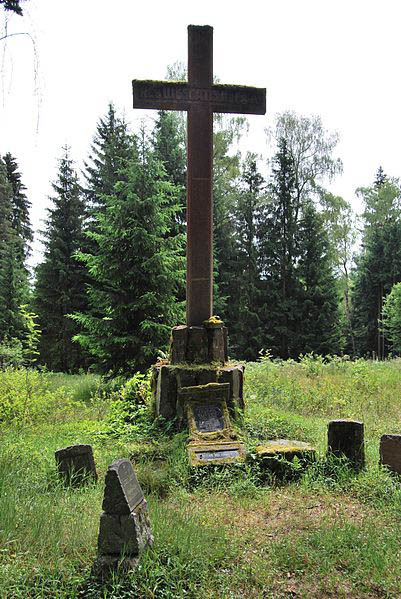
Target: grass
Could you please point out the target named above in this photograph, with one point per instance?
(220, 532)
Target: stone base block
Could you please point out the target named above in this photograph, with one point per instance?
(199, 345)
(125, 535)
(169, 378)
(287, 449)
(105, 566)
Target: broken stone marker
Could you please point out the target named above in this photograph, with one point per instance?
(124, 524)
(76, 464)
(274, 455)
(390, 452)
(345, 437)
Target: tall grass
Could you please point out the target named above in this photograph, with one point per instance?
(220, 533)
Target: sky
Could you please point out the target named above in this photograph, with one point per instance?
(336, 59)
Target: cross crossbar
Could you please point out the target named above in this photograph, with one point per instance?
(174, 95)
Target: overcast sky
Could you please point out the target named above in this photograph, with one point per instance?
(337, 59)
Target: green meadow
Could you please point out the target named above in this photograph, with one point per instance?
(223, 532)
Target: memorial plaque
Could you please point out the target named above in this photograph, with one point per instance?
(217, 455)
(208, 417)
(201, 454)
(122, 491)
(206, 410)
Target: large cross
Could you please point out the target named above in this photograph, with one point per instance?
(200, 98)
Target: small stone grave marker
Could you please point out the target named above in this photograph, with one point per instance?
(390, 452)
(76, 464)
(124, 524)
(346, 437)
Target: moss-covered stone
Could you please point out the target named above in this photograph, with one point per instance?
(278, 457)
(167, 379)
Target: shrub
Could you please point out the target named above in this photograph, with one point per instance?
(26, 397)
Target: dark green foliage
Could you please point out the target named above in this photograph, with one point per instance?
(169, 147)
(244, 310)
(135, 270)
(13, 274)
(20, 205)
(226, 169)
(111, 152)
(278, 252)
(319, 330)
(381, 177)
(299, 299)
(60, 278)
(378, 267)
(12, 5)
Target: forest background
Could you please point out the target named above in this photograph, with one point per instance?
(287, 282)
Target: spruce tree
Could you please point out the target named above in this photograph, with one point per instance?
(378, 266)
(13, 275)
(61, 279)
(277, 235)
(226, 170)
(20, 220)
(318, 328)
(244, 305)
(111, 151)
(136, 269)
(168, 141)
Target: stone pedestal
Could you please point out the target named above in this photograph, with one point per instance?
(202, 390)
(168, 379)
(199, 345)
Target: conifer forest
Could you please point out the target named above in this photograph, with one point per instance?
(296, 270)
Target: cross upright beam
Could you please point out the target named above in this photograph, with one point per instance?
(200, 98)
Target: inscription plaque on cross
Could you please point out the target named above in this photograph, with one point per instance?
(200, 98)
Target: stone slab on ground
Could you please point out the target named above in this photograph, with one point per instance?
(276, 457)
(286, 448)
(390, 452)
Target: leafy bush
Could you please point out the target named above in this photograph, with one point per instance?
(11, 354)
(129, 411)
(26, 397)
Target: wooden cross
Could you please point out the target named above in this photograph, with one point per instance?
(200, 98)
